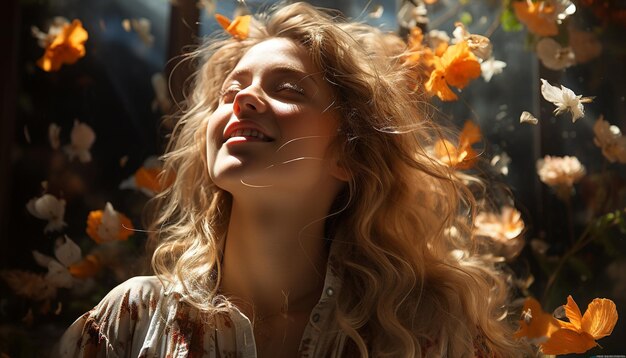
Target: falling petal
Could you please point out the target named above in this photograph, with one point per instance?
(600, 318)
(87, 267)
(564, 99)
(500, 163)
(238, 28)
(491, 67)
(565, 341)
(82, 138)
(553, 56)
(610, 139)
(142, 27)
(377, 11)
(66, 48)
(535, 324)
(161, 92)
(123, 161)
(58, 275)
(41, 259)
(67, 252)
(208, 6)
(126, 25)
(54, 136)
(48, 207)
(108, 225)
(27, 135)
(527, 117)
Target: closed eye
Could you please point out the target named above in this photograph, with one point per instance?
(228, 95)
(291, 87)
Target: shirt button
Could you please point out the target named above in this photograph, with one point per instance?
(316, 317)
(330, 291)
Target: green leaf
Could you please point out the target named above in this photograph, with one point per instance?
(466, 18)
(509, 21)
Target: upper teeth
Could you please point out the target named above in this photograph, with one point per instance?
(248, 133)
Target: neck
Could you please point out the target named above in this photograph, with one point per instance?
(275, 254)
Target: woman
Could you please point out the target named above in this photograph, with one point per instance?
(307, 217)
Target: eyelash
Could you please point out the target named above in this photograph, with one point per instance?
(291, 86)
(231, 91)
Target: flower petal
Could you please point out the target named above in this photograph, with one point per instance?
(551, 93)
(68, 252)
(535, 323)
(438, 86)
(565, 341)
(470, 134)
(573, 312)
(600, 318)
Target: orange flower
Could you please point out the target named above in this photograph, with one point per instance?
(66, 48)
(108, 225)
(457, 67)
(238, 28)
(148, 179)
(87, 267)
(463, 156)
(539, 17)
(535, 324)
(437, 86)
(581, 332)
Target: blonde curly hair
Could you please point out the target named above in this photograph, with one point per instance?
(403, 214)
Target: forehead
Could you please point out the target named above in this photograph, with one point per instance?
(277, 52)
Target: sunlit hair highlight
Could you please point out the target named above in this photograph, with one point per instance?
(405, 215)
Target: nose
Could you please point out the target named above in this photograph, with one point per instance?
(249, 99)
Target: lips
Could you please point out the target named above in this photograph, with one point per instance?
(250, 131)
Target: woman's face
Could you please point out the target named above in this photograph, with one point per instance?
(274, 123)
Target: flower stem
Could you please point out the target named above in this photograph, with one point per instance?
(584, 239)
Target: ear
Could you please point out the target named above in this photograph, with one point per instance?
(339, 172)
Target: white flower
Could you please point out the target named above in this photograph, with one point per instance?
(563, 9)
(528, 117)
(142, 27)
(560, 173)
(585, 45)
(48, 207)
(500, 163)
(161, 93)
(110, 225)
(504, 229)
(207, 5)
(480, 45)
(82, 138)
(67, 253)
(411, 15)
(491, 67)
(437, 37)
(553, 56)
(54, 133)
(564, 99)
(376, 12)
(459, 33)
(610, 139)
(44, 39)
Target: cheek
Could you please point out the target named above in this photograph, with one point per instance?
(214, 128)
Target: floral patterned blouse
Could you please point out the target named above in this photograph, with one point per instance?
(141, 318)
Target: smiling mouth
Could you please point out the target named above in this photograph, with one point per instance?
(249, 134)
